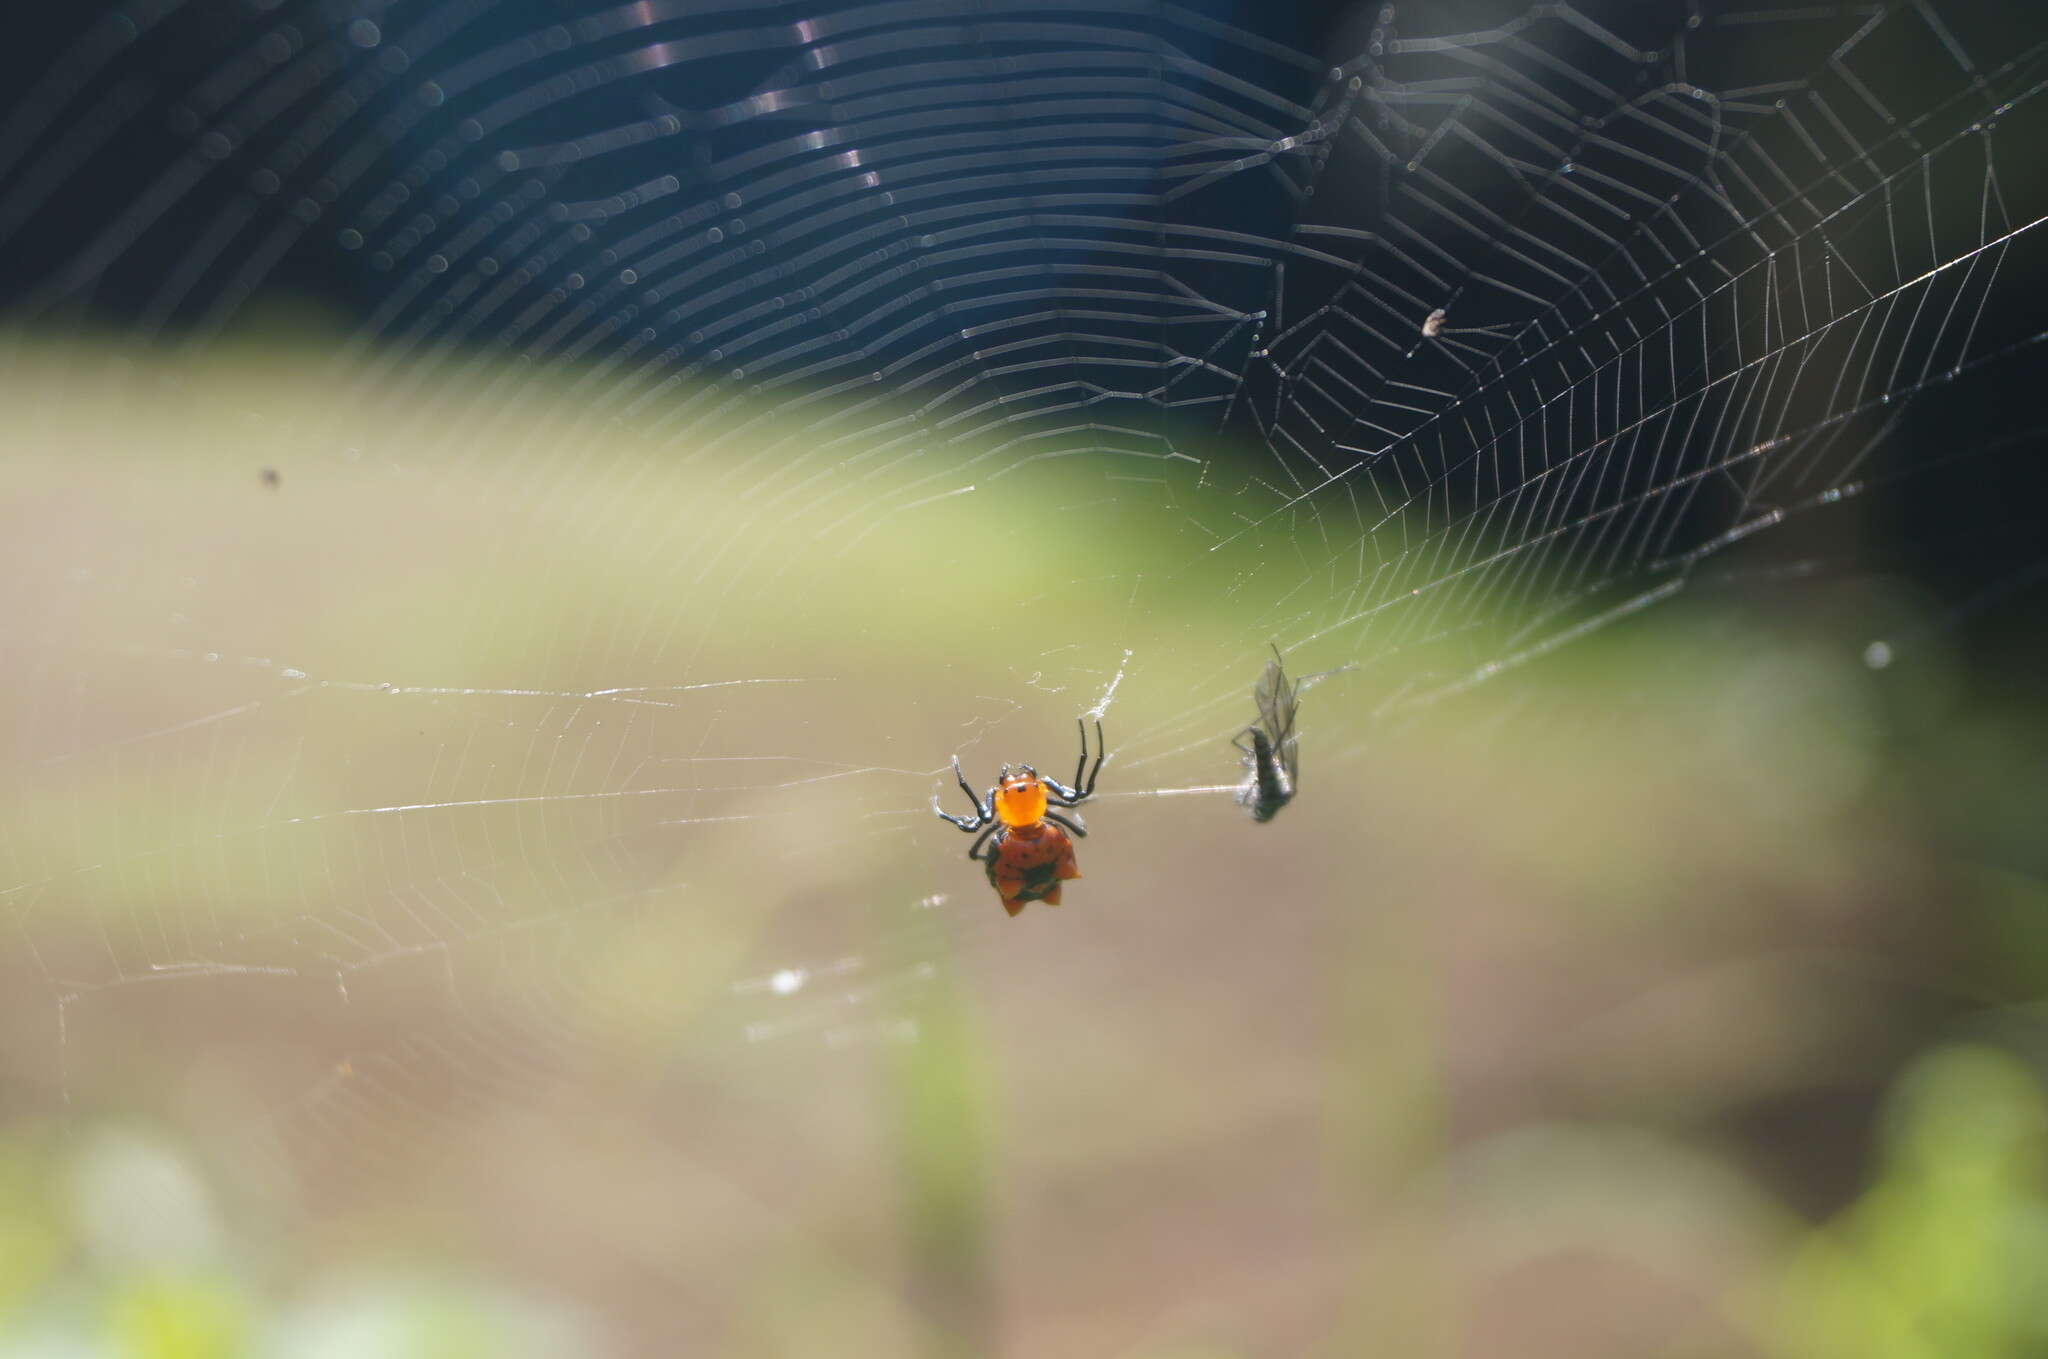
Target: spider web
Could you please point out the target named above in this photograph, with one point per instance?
(1429, 338)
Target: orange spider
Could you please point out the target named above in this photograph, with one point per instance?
(1029, 850)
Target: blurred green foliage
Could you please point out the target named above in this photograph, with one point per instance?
(1939, 1258)
(104, 1256)
(1944, 1256)
(942, 1101)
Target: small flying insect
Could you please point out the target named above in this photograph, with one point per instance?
(1272, 760)
(1026, 847)
(1437, 324)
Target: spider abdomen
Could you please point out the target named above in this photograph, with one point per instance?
(1028, 863)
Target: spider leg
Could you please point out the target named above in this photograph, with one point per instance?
(986, 806)
(964, 823)
(1101, 754)
(1075, 826)
(984, 809)
(974, 850)
(1069, 797)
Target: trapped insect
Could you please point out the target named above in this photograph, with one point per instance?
(1272, 759)
(1029, 849)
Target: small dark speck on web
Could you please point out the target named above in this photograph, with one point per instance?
(270, 479)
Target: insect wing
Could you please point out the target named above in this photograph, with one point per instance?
(1278, 702)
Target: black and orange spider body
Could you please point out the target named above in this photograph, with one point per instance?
(1028, 857)
(1026, 847)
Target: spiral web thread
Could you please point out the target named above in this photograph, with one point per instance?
(1534, 314)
